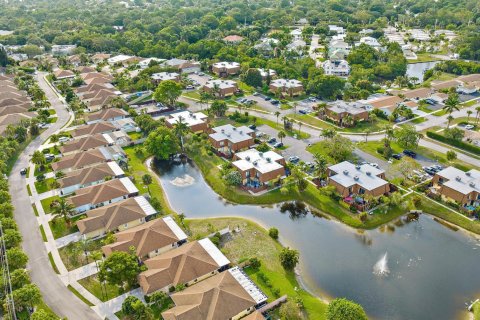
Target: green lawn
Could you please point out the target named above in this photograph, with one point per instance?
(279, 126)
(35, 211)
(423, 57)
(103, 292)
(48, 168)
(362, 126)
(192, 94)
(73, 255)
(44, 186)
(476, 311)
(61, 228)
(319, 148)
(253, 241)
(44, 236)
(135, 135)
(79, 296)
(47, 202)
(29, 190)
(312, 120)
(137, 169)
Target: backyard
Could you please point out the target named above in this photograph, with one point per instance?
(73, 255)
(104, 291)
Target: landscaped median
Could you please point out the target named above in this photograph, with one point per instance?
(254, 242)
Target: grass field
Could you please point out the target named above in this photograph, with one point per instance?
(75, 292)
(61, 228)
(44, 186)
(103, 292)
(476, 311)
(253, 241)
(73, 255)
(47, 202)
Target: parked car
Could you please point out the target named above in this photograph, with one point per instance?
(312, 99)
(274, 102)
(397, 156)
(469, 127)
(49, 157)
(23, 171)
(278, 145)
(373, 164)
(267, 98)
(252, 126)
(302, 111)
(256, 93)
(63, 139)
(201, 74)
(189, 87)
(260, 134)
(272, 140)
(429, 170)
(293, 159)
(410, 153)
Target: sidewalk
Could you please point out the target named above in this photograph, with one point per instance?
(109, 308)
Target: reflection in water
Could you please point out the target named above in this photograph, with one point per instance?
(433, 270)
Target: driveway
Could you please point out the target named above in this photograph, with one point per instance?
(200, 79)
(55, 294)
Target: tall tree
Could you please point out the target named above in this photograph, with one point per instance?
(168, 92)
(162, 143)
(120, 268)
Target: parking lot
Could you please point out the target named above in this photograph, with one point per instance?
(264, 104)
(198, 78)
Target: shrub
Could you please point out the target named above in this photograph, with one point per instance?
(456, 143)
(273, 233)
(254, 263)
(363, 216)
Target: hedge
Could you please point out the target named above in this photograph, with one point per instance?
(456, 143)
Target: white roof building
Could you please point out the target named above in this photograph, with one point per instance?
(460, 181)
(372, 42)
(286, 83)
(227, 65)
(187, 117)
(162, 76)
(337, 29)
(145, 63)
(366, 176)
(419, 34)
(221, 84)
(248, 285)
(63, 50)
(296, 34)
(231, 133)
(264, 73)
(118, 59)
(339, 68)
(261, 161)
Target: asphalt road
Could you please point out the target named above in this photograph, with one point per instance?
(55, 294)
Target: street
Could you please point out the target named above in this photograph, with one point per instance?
(55, 294)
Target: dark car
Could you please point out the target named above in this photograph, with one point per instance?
(429, 170)
(397, 156)
(272, 140)
(410, 153)
(278, 145)
(275, 102)
(267, 98)
(303, 111)
(23, 171)
(252, 126)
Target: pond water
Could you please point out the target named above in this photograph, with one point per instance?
(418, 69)
(433, 270)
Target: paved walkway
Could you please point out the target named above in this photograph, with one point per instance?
(109, 308)
(64, 241)
(80, 273)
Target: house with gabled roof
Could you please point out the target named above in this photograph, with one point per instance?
(228, 139)
(118, 216)
(110, 114)
(102, 194)
(457, 185)
(61, 74)
(197, 122)
(187, 265)
(149, 240)
(90, 176)
(228, 295)
(86, 143)
(80, 160)
(93, 129)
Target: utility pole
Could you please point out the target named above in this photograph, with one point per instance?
(8, 292)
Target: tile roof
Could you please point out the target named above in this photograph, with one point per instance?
(79, 160)
(84, 144)
(91, 174)
(94, 128)
(106, 114)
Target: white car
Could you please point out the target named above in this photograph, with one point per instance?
(373, 164)
(63, 139)
(469, 127)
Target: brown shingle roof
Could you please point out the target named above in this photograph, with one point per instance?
(85, 69)
(387, 101)
(84, 144)
(255, 315)
(177, 266)
(99, 193)
(470, 77)
(99, 80)
(8, 87)
(106, 114)
(92, 75)
(60, 73)
(439, 85)
(220, 297)
(13, 95)
(16, 109)
(112, 216)
(91, 87)
(101, 56)
(15, 118)
(91, 129)
(87, 175)
(146, 238)
(98, 94)
(420, 93)
(79, 160)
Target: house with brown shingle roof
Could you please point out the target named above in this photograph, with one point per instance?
(99, 57)
(85, 69)
(95, 94)
(188, 264)
(383, 102)
(416, 94)
(470, 78)
(86, 143)
(102, 194)
(93, 129)
(228, 295)
(17, 109)
(255, 315)
(80, 160)
(86, 177)
(61, 74)
(13, 118)
(118, 216)
(100, 102)
(14, 94)
(92, 87)
(93, 75)
(111, 114)
(441, 85)
(149, 240)
(98, 80)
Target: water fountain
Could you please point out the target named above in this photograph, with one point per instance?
(381, 267)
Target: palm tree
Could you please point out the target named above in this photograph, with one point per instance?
(181, 217)
(367, 133)
(300, 123)
(322, 108)
(449, 118)
(295, 105)
(147, 180)
(451, 104)
(320, 164)
(281, 135)
(477, 117)
(328, 133)
(39, 159)
(63, 209)
(277, 114)
(469, 113)
(204, 98)
(180, 128)
(389, 132)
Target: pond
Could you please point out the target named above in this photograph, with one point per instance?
(418, 69)
(433, 270)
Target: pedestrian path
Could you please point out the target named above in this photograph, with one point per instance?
(64, 241)
(109, 308)
(81, 273)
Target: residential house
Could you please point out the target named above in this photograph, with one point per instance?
(62, 74)
(149, 240)
(346, 113)
(296, 34)
(370, 41)
(111, 114)
(13, 119)
(221, 88)
(382, 102)
(63, 50)
(146, 63)
(336, 29)
(456, 185)
(183, 66)
(126, 125)
(445, 85)
(80, 160)
(93, 129)
(197, 122)
(225, 69)
(85, 69)
(228, 139)
(339, 68)
(185, 265)
(259, 168)
(297, 46)
(100, 57)
(116, 217)
(419, 35)
(102, 194)
(351, 180)
(119, 59)
(162, 76)
(119, 138)
(228, 295)
(291, 87)
(89, 176)
(415, 94)
(86, 143)
(233, 39)
(266, 73)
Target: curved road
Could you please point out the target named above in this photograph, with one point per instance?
(56, 295)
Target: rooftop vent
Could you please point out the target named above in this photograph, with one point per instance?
(458, 178)
(345, 172)
(255, 163)
(472, 184)
(223, 130)
(269, 160)
(234, 129)
(241, 132)
(247, 158)
(260, 154)
(369, 173)
(357, 167)
(468, 173)
(356, 178)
